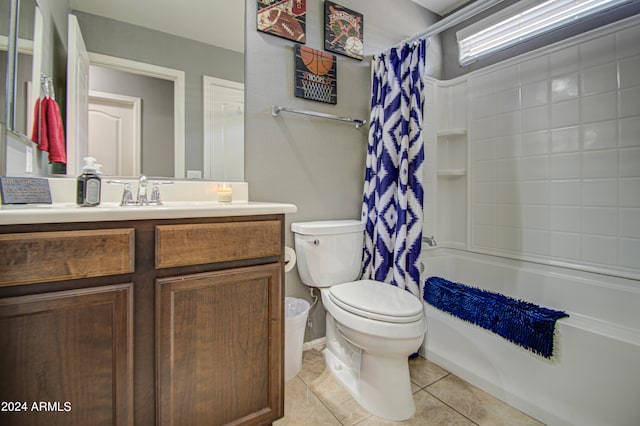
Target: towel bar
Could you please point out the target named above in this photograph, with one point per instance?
(275, 110)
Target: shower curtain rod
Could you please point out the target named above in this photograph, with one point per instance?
(451, 20)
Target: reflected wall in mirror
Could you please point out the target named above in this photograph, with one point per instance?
(163, 33)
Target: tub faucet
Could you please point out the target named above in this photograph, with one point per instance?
(431, 241)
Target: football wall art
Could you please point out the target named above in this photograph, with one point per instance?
(283, 18)
(315, 75)
(343, 31)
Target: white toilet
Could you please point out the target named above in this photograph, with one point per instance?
(372, 327)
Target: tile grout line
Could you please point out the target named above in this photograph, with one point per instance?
(327, 407)
(451, 407)
(322, 401)
(371, 415)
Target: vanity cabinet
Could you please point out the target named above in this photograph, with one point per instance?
(145, 322)
(66, 357)
(219, 333)
(217, 361)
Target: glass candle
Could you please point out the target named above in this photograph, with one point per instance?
(225, 194)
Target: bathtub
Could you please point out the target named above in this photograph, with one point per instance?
(593, 377)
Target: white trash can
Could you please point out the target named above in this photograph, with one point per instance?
(295, 320)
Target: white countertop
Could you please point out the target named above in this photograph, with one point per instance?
(67, 212)
(179, 203)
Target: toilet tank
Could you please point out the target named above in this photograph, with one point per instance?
(328, 252)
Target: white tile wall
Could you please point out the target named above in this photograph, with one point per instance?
(555, 152)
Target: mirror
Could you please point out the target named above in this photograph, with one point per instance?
(177, 36)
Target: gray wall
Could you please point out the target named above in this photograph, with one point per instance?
(313, 163)
(119, 39)
(452, 69)
(157, 114)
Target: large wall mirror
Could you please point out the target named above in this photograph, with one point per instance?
(147, 104)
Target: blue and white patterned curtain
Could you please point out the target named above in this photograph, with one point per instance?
(393, 193)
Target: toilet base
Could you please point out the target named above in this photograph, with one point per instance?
(380, 384)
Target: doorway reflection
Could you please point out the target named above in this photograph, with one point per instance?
(155, 124)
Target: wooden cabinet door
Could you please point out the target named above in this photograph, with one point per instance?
(66, 358)
(219, 347)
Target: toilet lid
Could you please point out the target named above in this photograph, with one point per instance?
(377, 300)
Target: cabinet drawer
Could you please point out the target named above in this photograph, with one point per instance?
(54, 256)
(196, 244)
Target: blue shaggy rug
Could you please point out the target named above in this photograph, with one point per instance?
(520, 322)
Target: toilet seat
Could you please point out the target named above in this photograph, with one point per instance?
(377, 300)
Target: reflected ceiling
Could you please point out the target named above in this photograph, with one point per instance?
(216, 22)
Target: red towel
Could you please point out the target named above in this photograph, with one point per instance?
(39, 130)
(55, 133)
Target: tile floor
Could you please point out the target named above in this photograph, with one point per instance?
(314, 398)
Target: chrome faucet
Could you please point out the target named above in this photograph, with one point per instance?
(141, 197)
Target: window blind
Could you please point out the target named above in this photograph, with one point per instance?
(522, 22)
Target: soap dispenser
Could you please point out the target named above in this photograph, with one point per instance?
(89, 184)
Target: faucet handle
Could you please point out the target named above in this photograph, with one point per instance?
(127, 194)
(155, 192)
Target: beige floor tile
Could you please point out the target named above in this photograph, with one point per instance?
(477, 405)
(424, 372)
(310, 371)
(429, 412)
(315, 397)
(312, 355)
(302, 407)
(337, 399)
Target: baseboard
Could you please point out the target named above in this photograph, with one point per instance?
(312, 344)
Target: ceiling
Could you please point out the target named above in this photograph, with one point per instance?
(217, 22)
(441, 7)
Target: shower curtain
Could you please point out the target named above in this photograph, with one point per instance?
(392, 207)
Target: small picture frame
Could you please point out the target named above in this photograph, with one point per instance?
(315, 75)
(24, 190)
(283, 18)
(343, 30)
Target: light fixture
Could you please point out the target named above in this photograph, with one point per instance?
(522, 22)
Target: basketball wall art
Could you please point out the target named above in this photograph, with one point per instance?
(283, 18)
(343, 31)
(316, 76)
